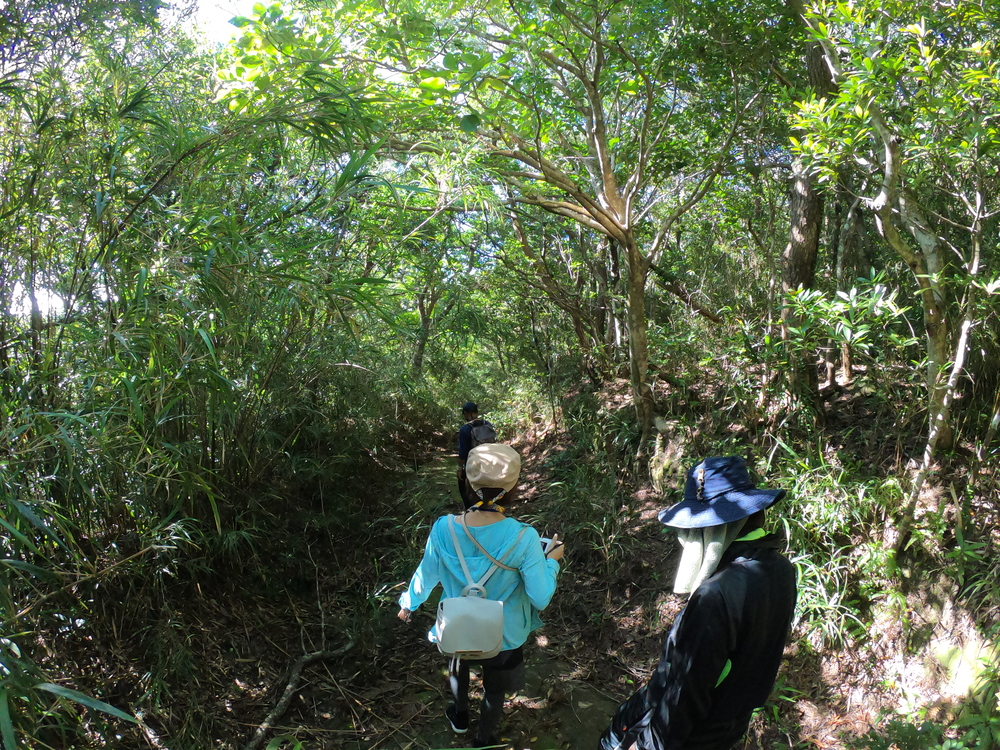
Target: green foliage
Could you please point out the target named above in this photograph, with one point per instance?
(863, 318)
(975, 730)
(831, 516)
(583, 500)
(26, 698)
(907, 736)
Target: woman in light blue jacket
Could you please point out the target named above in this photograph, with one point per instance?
(527, 587)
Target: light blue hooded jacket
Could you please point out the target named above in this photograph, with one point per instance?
(523, 592)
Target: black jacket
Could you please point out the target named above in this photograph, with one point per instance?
(740, 616)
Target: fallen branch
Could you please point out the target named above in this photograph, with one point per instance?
(293, 683)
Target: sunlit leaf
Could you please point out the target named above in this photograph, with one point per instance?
(434, 83)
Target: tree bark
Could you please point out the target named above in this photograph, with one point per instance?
(798, 269)
(425, 308)
(798, 261)
(638, 342)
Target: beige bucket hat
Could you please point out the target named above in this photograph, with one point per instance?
(493, 465)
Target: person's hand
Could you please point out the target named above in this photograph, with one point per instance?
(556, 549)
(459, 473)
(404, 614)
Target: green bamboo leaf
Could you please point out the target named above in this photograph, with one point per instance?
(35, 570)
(6, 725)
(84, 700)
(37, 522)
(140, 286)
(101, 201)
(134, 398)
(30, 545)
(208, 343)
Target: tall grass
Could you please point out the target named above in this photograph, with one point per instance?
(834, 518)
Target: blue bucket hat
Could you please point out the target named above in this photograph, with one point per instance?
(718, 490)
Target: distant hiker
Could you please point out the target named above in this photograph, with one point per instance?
(474, 432)
(524, 581)
(721, 658)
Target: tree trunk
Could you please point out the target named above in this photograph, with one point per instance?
(932, 294)
(798, 269)
(638, 342)
(851, 262)
(805, 207)
(425, 308)
(417, 366)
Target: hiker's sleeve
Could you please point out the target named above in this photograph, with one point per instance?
(694, 657)
(538, 572)
(426, 577)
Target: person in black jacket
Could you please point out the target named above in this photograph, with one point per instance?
(721, 658)
(470, 412)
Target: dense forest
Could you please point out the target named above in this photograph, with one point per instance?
(245, 289)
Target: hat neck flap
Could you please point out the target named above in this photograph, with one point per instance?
(702, 550)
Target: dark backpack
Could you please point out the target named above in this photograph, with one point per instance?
(482, 432)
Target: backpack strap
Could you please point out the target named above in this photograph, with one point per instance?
(461, 558)
(498, 563)
(481, 584)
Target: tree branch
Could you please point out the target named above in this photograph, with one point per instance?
(293, 683)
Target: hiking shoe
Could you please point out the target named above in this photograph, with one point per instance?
(459, 723)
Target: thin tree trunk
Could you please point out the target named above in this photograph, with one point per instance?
(850, 261)
(425, 308)
(798, 266)
(805, 207)
(638, 341)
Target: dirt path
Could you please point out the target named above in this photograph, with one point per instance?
(554, 710)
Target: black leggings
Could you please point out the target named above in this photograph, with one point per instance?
(501, 675)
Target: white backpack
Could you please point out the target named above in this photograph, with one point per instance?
(470, 626)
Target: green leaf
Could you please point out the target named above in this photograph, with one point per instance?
(434, 83)
(37, 522)
(6, 725)
(470, 123)
(84, 700)
(140, 287)
(18, 535)
(208, 343)
(259, 9)
(285, 739)
(29, 568)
